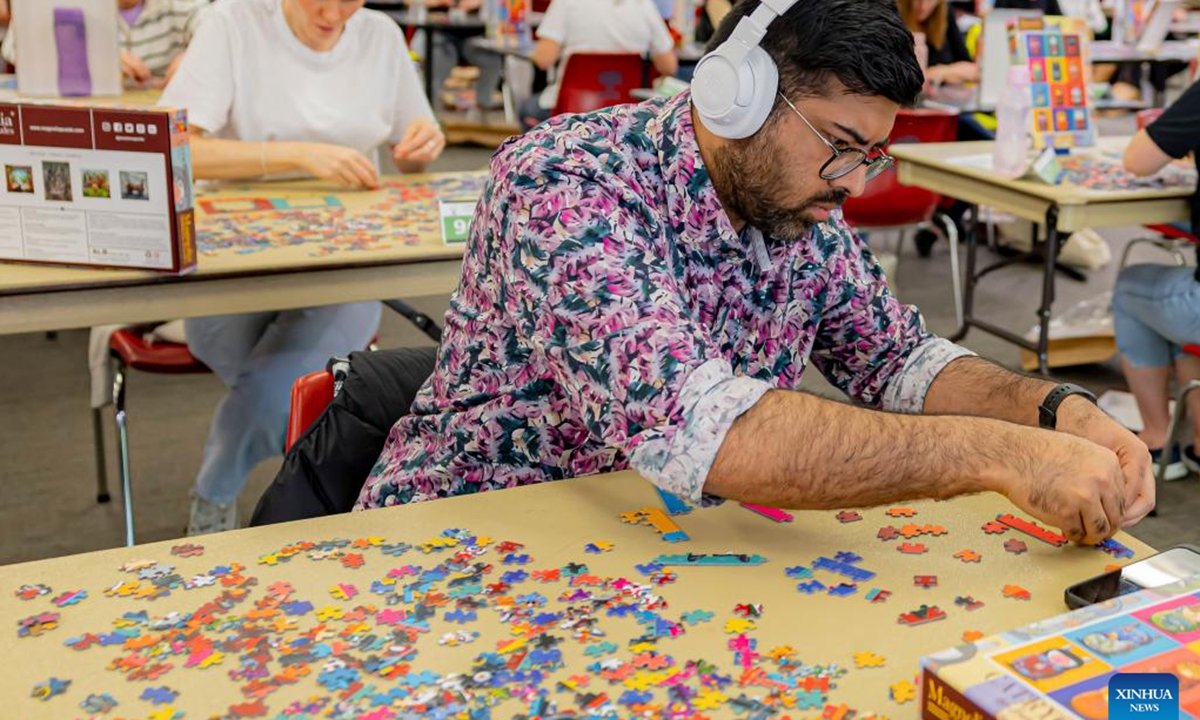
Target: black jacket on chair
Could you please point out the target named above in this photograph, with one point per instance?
(325, 469)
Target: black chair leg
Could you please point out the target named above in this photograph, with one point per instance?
(423, 322)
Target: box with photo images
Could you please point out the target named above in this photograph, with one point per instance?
(96, 186)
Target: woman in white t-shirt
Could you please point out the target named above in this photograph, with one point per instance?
(279, 88)
(572, 26)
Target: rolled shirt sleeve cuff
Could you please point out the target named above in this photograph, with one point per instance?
(710, 400)
(906, 391)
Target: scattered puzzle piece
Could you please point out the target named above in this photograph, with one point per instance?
(1015, 546)
(739, 625)
(595, 548)
(343, 591)
(1016, 592)
(1114, 548)
(73, 597)
(29, 592)
(1032, 529)
(877, 596)
(100, 704)
(35, 625)
(748, 610)
(971, 636)
(460, 616)
(968, 556)
(694, 617)
(810, 587)
(798, 572)
(843, 590)
(968, 602)
(159, 695)
(912, 548)
(925, 581)
(188, 550)
(902, 692)
(922, 615)
(868, 660)
(992, 527)
(50, 688)
(905, 512)
(848, 516)
(887, 533)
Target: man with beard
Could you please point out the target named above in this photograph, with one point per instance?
(645, 285)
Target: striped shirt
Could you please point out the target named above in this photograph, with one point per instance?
(162, 30)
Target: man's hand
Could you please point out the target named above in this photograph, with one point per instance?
(1080, 417)
(133, 68)
(1068, 482)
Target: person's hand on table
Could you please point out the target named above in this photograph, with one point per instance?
(958, 73)
(1067, 482)
(133, 68)
(342, 165)
(1078, 416)
(421, 145)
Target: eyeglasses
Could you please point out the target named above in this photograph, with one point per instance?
(844, 162)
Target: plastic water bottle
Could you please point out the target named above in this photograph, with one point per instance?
(1014, 114)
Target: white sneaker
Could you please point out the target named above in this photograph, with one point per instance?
(208, 517)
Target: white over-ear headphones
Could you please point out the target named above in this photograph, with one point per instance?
(734, 86)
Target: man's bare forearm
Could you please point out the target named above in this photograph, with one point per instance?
(974, 386)
(800, 451)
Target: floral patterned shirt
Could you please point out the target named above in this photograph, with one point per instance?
(609, 317)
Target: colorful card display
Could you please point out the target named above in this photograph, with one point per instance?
(1055, 51)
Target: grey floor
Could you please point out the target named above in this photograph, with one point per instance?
(47, 475)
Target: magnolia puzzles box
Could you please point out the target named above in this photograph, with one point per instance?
(1061, 668)
(101, 187)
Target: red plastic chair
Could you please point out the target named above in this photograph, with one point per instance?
(591, 81)
(888, 205)
(311, 394)
(1171, 238)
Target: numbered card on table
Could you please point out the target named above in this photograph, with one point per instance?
(456, 219)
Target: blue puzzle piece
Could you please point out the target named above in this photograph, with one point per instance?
(532, 599)
(425, 677)
(50, 688)
(695, 617)
(515, 559)
(634, 697)
(1114, 548)
(843, 590)
(159, 695)
(622, 610)
(460, 616)
(648, 568)
(811, 587)
(339, 679)
(844, 569)
(513, 577)
(676, 536)
(395, 549)
(798, 572)
(546, 618)
(673, 503)
(848, 557)
(296, 607)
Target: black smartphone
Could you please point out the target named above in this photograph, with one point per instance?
(1177, 563)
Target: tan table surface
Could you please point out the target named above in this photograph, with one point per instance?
(554, 521)
(932, 166)
(236, 274)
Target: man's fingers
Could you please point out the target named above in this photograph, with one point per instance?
(364, 169)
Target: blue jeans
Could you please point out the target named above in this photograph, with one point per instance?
(258, 356)
(1156, 311)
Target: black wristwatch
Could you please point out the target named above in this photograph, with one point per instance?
(1048, 410)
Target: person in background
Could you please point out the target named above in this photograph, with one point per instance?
(1156, 308)
(288, 88)
(949, 62)
(597, 26)
(451, 49)
(153, 33)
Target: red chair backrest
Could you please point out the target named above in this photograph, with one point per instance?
(887, 203)
(311, 394)
(1145, 117)
(591, 81)
(540, 6)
